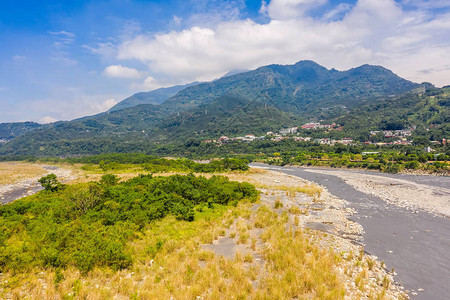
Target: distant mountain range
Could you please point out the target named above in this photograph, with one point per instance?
(8, 131)
(156, 97)
(266, 99)
(301, 88)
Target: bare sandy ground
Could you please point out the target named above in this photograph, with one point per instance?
(399, 192)
(29, 186)
(325, 213)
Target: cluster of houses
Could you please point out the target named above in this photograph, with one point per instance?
(401, 136)
(321, 126)
(226, 139)
(276, 137)
(394, 133)
(327, 141)
(286, 133)
(402, 141)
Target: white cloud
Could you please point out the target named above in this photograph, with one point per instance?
(61, 46)
(151, 83)
(76, 104)
(107, 50)
(428, 4)
(289, 9)
(47, 119)
(63, 33)
(119, 71)
(375, 32)
(19, 57)
(212, 12)
(176, 21)
(107, 104)
(337, 11)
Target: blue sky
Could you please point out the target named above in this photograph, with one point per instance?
(61, 60)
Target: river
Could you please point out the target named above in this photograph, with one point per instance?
(30, 186)
(415, 243)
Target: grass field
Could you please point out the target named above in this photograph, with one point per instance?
(281, 260)
(12, 172)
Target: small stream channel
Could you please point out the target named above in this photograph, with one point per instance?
(415, 244)
(25, 188)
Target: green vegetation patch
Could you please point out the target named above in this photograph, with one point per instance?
(150, 163)
(88, 225)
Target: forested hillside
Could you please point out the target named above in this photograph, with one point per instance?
(155, 97)
(303, 87)
(267, 99)
(9, 131)
(427, 113)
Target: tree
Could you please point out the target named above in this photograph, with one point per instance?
(50, 183)
(84, 197)
(109, 180)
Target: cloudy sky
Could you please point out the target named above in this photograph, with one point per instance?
(61, 60)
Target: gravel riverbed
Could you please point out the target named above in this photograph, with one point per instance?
(400, 192)
(411, 237)
(29, 186)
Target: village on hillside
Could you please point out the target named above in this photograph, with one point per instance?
(393, 137)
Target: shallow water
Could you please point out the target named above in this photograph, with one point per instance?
(415, 244)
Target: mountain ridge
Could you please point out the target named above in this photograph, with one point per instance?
(291, 93)
(155, 97)
(296, 86)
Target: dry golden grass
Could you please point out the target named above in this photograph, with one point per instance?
(261, 178)
(310, 190)
(96, 174)
(181, 269)
(295, 210)
(169, 262)
(13, 172)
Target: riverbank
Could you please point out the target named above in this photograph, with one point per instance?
(21, 179)
(327, 219)
(296, 238)
(401, 170)
(399, 192)
(413, 242)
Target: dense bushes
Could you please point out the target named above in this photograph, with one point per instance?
(89, 225)
(156, 164)
(389, 162)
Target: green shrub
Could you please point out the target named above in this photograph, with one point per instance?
(50, 183)
(391, 168)
(90, 224)
(412, 164)
(109, 180)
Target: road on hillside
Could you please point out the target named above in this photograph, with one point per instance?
(415, 243)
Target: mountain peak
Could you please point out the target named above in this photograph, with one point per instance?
(371, 68)
(308, 63)
(155, 97)
(254, 101)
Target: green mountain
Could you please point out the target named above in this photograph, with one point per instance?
(228, 115)
(266, 99)
(428, 113)
(9, 131)
(155, 97)
(305, 87)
